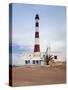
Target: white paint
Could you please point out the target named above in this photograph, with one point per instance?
(42, 63)
(36, 54)
(36, 20)
(37, 29)
(36, 41)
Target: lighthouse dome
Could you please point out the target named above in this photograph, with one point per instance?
(37, 16)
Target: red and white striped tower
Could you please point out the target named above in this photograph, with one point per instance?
(37, 46)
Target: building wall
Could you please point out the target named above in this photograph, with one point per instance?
(30, 56)
(58, 54)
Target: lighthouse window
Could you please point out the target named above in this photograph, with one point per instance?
(55, 57)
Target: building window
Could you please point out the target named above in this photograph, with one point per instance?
(26, 62)
(36, 61)
(55, 57)
(33, 61)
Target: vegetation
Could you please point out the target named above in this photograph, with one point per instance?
(47, 59)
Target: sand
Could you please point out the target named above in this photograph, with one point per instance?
(38, 75)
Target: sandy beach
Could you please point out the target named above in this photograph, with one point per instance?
(38, 75)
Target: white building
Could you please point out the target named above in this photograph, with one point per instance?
(30, 59)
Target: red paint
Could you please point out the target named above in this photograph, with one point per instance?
(36, 34)
(36, 48)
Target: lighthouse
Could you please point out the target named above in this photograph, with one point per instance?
(37, 44)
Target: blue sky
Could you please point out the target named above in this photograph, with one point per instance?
(52, 27)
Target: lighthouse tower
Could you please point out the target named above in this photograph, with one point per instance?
(37, 45)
